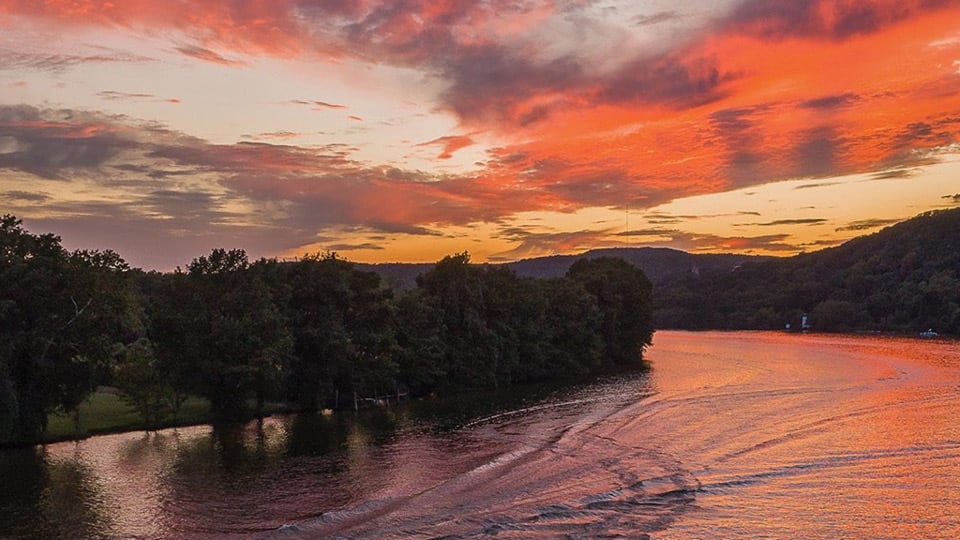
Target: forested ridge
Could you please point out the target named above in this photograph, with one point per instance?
(905, 278)
(659, 264)
(313, 333)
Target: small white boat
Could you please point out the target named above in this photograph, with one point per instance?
(929, 333)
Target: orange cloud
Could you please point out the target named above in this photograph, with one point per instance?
(248, 26)
(774, 90)
(812, 105)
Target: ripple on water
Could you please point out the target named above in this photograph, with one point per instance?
(731, 436)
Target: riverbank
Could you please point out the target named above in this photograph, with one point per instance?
(105, 411)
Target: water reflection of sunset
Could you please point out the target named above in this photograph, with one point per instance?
(733, 435)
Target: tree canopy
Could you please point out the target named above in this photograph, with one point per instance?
(314, 333)
(60, 314)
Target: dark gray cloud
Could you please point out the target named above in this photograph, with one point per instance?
(739, 133)
(926, 134)
(532, 244)
(734, 122)
(207, 55)
(866, 224)
(400, 228)
(317, 105)
(667, 80)
(817, 153)
(188, 208)
(502, 82)
(710, 242)
(10, 60)
(822, 19)
(649, 232)
(354, 247)
(478, 73)
(656, 18)
(159, 173)
(155, 243)
(152, 171)
(893, 173)
(24, 196)
(798, 221)
(830, 102)
(955, 197)
(46, 143)
(817, 185)
(661, 218)
(113, 95)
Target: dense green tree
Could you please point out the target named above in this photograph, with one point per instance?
(573, 325)
(624, 296)
(175, 343)
(144, 385)
(458, 291)
(342, 323)
(482, 325)
(220, 323)
(421, 341)
(60, 315)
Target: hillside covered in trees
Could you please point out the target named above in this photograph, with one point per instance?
(905, 278)
(312, 333)
(659, 264)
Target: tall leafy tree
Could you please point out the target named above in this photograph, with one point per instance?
(60, 315)
(625, 298)
(220, 322)
(572, 319)
(144, 385)
(459, 292)
(342, 322)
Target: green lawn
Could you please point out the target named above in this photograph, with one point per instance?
(106, 412)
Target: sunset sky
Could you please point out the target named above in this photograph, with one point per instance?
(407, 130)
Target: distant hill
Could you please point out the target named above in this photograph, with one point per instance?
(659, 264)
(397, 275)
(905, 278)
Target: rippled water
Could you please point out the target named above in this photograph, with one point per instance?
(731, 435)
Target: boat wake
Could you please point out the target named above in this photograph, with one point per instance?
(564, 474)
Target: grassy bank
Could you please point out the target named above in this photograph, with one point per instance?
(105, 411)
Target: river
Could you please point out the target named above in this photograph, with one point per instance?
(730, 435)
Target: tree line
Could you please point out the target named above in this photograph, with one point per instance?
(905, 278)
(312, 333)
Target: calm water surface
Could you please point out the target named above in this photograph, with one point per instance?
(745, 435)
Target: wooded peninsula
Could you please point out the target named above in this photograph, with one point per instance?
(313, 333)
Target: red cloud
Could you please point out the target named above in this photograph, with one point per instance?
(778, 89)
(248, 26)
